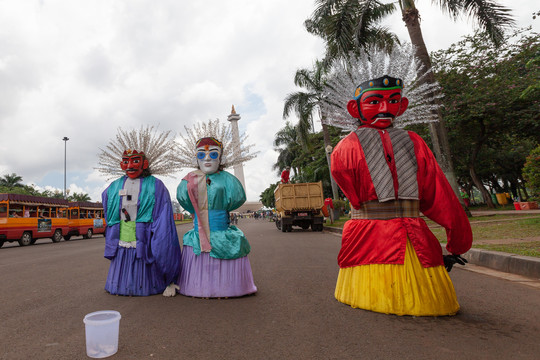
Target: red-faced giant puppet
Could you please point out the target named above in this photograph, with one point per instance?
(388, 255)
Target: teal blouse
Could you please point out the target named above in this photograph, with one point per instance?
(225, 193)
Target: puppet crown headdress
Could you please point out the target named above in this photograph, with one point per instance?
(234, 152)
(382, 83)
(375, 66)
(154, 146)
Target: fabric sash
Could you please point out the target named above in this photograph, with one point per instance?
(196, 187)
(374, 210)
(405, 160)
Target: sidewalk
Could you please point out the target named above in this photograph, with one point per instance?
(508, 263)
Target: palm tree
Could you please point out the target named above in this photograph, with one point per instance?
(285, 141)
(351, 26)
(11, 181)
(79, 197)
(491, 17)
(306, 103)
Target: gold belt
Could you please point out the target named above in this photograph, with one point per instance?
(387, 210)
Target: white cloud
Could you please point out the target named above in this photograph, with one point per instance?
(82, 68)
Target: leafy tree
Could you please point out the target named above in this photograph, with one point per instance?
(267, 196)
(348, 27)
(287, 144)
(309, 164)
(307, 103)
(531, 172)
(11, 181)
(79, 197)
(492, 127)
(333, 20)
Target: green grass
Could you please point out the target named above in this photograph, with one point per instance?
(492, 230)
(177, 222)
(526, 249)
(338, 223)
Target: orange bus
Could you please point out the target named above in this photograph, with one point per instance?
(26, 218)
(86, 219)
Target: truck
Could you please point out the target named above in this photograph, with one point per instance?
(299, 205)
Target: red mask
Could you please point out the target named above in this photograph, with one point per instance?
(134, 165)
(378, 108)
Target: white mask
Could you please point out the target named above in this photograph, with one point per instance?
(209, 160)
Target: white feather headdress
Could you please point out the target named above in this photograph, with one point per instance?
(400, 63)
(157, 148)
(234, 152)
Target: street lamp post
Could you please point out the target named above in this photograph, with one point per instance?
(65, 139)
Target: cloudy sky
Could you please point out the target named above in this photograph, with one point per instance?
(82, 69)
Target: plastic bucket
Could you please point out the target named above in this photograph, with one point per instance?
(102, 329)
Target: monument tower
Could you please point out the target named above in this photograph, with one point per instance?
(238, 168)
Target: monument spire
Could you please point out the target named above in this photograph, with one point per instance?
(238, 168)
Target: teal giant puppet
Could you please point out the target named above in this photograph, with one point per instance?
(215, 261)
(141, 239)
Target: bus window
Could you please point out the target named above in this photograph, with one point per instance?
(98, 214)
(83, 214)
(15, 210)
(74, 214)
(30, 211)
(53, 212)
(3, 211)
(44, 212)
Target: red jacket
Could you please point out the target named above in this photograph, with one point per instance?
(383, 241)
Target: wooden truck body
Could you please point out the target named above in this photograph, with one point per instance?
(299, 205)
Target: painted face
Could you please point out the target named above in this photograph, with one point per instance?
(209, 158)
(133, 165)
(379, 108)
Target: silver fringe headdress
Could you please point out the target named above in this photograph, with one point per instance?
(400, 63)
(157, 148)
(233, 152)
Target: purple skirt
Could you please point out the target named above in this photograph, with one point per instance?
(208, 277)
(133, 277)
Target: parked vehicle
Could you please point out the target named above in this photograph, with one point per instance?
(26, 218)
(299, 205)
(86, 219)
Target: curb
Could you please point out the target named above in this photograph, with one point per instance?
(510, 263)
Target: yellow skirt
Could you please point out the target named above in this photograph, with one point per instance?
(408, 289)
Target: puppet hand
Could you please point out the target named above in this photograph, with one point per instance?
(171, 290)
(450, 260)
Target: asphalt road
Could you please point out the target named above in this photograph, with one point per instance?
(47, 288)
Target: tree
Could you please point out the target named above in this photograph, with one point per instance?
(492, 126)
(11, 181)
(79, 197)
(491, 17)
(310, 164)
(286, 143)
(531, 172)
(267, 196)
(349, 27)
(306, 103)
